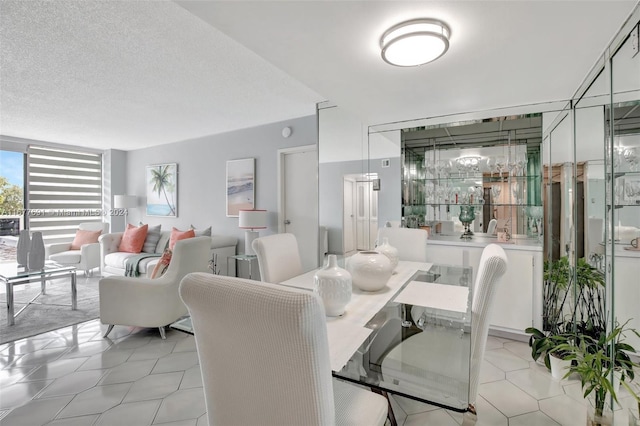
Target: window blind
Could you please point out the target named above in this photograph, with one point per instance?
(64, 189)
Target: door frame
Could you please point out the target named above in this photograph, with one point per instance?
(280, 199)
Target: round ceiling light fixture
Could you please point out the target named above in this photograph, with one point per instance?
(415, 42)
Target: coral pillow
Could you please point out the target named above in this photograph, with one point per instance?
(84, 237)
(133, 239)
(177, 235)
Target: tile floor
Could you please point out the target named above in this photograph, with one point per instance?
(74, 377)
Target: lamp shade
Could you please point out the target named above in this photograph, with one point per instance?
(125, 201)
(252, 219)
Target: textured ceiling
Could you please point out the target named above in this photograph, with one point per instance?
(131, 74)
(125, 75)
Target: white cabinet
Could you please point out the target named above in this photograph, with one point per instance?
(518, 300)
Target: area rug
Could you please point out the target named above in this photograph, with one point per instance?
(53, 310)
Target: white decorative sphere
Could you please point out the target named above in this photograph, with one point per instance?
(370, 270)
(333, 285)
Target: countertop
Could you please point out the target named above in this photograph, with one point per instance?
(519, 242)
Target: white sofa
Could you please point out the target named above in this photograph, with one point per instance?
(112, 261)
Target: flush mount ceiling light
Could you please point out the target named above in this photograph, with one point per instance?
(415, 42)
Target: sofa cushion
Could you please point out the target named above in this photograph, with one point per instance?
(133, 239)
(151, 241)
(202, 232)
(66, 257)
(84, 237)
(117, 260)
(177, 235)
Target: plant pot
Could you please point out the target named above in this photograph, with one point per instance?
(559, 366)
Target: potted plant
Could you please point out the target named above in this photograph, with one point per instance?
(594, 362)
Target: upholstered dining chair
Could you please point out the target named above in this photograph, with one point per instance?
(86, 256)
(278, 257)
(410, 242)
(146, 302)
(264, 357)
(419, 354)
(491, 227)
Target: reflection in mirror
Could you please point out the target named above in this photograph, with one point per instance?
(489, 169)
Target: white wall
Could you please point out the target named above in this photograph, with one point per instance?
(202, 174)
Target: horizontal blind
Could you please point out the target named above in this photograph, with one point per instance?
(64, 190)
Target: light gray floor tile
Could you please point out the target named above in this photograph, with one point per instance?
(75, 421)
(411, 406)
(490, 373)
(55, 369)
(181, 405)
(72, 383)
(190, 422)
(435, 417)
(564, 410)
(107, 359)
(192, 378)
(128, 372)
(520, 349)
(186, 345)
(204, 421)
(88, 349)
(155, 386)
(152, 350)
(40, 357)
(509, 399)
(538, 385)
(135, 413)
(176, 362)
(36, 412)
(25, 346)
(505, 360)
(20, 393)
(537, 418)
(95, 400)
(11, 375)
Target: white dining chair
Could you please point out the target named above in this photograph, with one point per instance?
(410, 242)
(278, 257)
(419, 359)
(264, 357)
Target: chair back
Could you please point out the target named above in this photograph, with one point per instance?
(189, 255)
(491, 228)
(94, 226)
(278, 257)
(410, 242)
(493, 265)
(263, 352)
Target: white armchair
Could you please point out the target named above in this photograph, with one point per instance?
(86, 258)
(146, 302)
(264, 356)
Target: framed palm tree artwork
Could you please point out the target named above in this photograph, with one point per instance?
(162, 190)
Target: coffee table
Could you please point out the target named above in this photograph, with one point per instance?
(11, 275)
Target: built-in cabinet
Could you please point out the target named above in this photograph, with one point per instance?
(517, 305)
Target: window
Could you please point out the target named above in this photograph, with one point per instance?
(64, 189)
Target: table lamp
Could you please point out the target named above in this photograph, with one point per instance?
(125, 202)
(251, 220)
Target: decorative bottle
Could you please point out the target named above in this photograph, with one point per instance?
(36, 251)
(333, 285)
(22, 251)
(390, 251)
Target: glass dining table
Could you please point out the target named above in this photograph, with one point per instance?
(412, 338)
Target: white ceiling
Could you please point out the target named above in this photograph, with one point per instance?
(127, 75)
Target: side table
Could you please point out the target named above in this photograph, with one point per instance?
(243, 258)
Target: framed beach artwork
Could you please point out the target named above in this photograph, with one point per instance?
(162, 189)
(240, 185)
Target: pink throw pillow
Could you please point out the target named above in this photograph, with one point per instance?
(84, 237)
(177, 235)
(162, 265)
(133, 239)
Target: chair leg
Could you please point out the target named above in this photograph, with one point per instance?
(390, 416)
(108, 330)
(162, 334)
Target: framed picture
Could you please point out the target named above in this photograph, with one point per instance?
(162, 190)
(240, 186)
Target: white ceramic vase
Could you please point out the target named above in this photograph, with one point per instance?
(36, 251)
(22, 250)
(333, 285)
(370, 270)
(390, 251)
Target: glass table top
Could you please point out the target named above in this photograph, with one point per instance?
(11, 271)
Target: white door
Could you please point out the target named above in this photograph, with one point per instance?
(348, 222)
(366, 215)
(299, 200)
